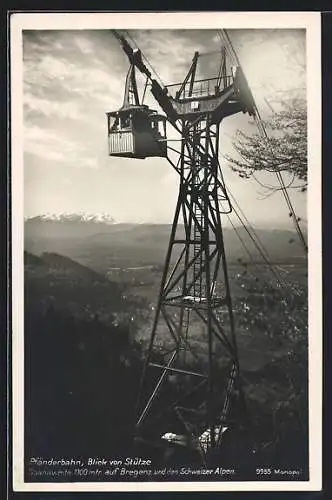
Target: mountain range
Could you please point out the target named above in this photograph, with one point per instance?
(100, 243)
(98, 218)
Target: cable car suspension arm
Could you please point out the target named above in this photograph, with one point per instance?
(158, 92)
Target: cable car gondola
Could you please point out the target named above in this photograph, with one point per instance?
(135, 130)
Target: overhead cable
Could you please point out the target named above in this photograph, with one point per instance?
(262, 130)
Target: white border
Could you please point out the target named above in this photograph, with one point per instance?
(198, 20)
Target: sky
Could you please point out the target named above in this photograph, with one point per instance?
(72, 78)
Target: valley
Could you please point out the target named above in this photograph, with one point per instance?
(89, 306)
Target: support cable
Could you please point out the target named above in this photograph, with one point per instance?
(263, 247)
(145, 58)
(265, 258)
(259, 122)
(258, 243)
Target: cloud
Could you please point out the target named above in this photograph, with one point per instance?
(55, 76)
(50, 146)
(49, 108)
(69, 84)
(67, 74)
(171, 45)
(72, 77)
(90, 162)
(84, 45)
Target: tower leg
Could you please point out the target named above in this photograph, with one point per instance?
(191, 372)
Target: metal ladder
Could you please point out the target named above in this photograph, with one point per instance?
(199, 290)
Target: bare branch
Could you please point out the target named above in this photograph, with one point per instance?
(285, 151)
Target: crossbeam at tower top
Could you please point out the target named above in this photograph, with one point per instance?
(179, 100)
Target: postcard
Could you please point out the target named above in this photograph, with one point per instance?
(166, 251)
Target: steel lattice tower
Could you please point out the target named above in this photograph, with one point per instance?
(195, 290)
(190, 390)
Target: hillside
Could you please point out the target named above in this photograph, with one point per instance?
(78, 344)
(55, 281)
(101, 246)
(84, 333)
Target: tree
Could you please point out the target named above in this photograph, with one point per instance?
(285, 150)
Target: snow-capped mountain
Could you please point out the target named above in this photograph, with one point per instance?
(99, 218)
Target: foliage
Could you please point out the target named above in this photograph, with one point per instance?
(81, 384)
(277, 394)
(284, 150)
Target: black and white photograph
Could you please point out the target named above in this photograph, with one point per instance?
(166, 257)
